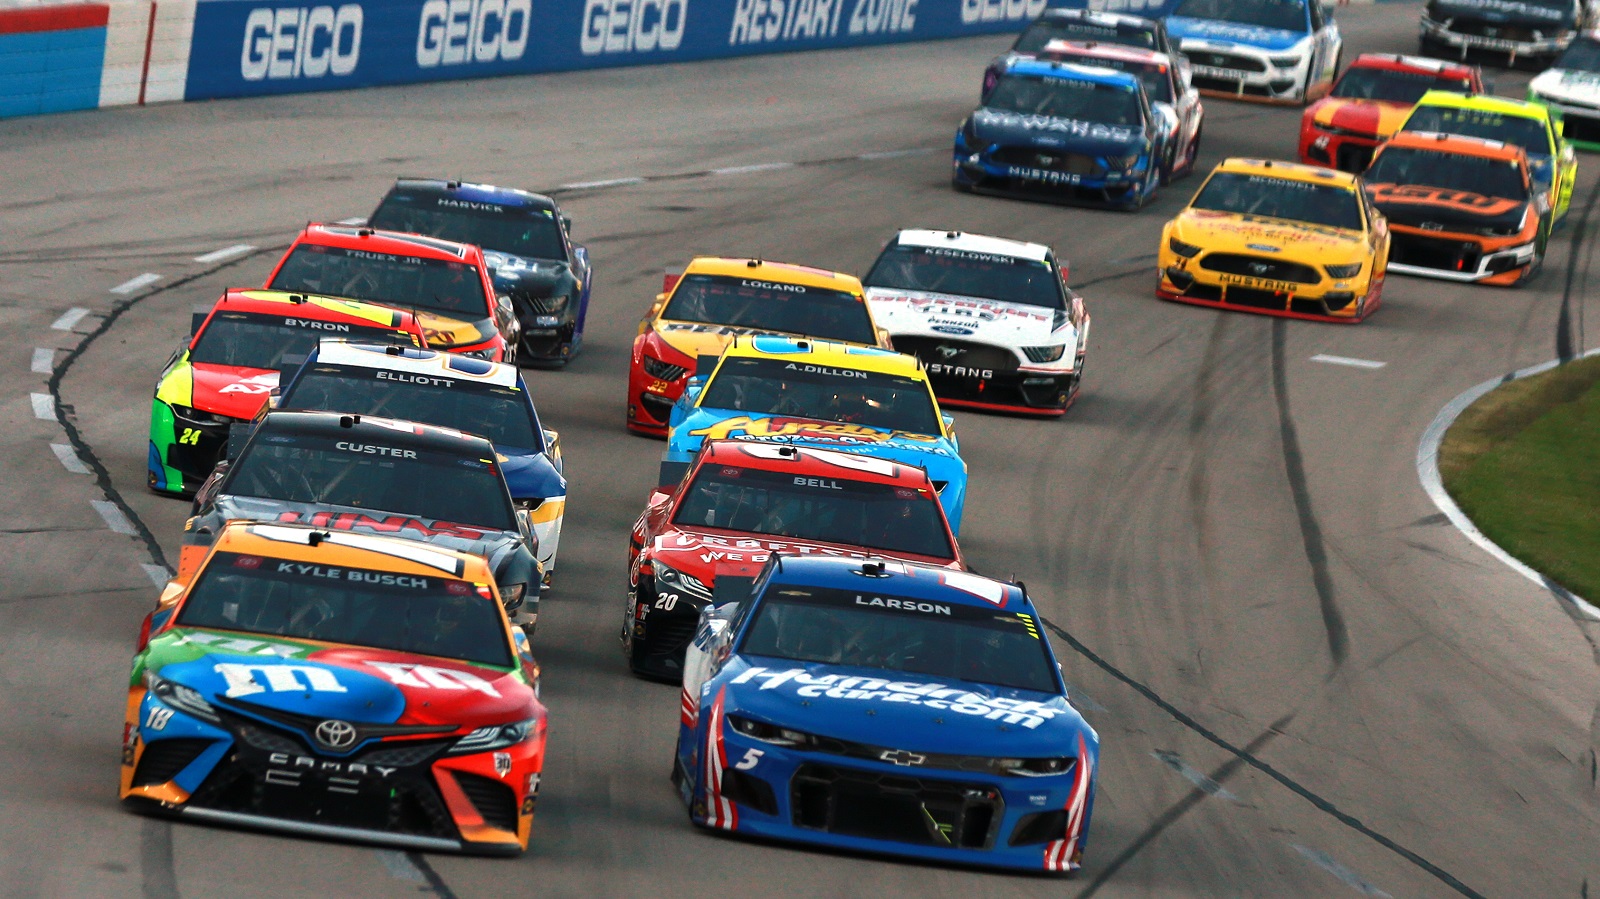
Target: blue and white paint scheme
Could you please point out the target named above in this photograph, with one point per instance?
(1282, 51)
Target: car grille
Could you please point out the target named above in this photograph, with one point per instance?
(163, 759)
(1033, 157)
(1444, 254)
(1260, 267)
(1492, 30)
(495, 801)
(916, 810)
(946, 352)
(666, 371)
(1234, 61)
(668, 636)
(657, 409)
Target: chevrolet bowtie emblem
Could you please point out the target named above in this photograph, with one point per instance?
(902, 757)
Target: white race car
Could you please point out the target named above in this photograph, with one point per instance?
(1572, 88)
(1277, 51)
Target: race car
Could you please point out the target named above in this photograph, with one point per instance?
(714, 300)
(743, 501)
(376, 476)
(1512, 30)
(818, 393)
(1276, 51)
(993, 320)
(1459, 208)
(524, 238)
(1171, 95)
(446, 284)
(1368, 103)
(890, 708)
(1277, 238)
(230, 363)
(336, 685)
(1084, 26)
(1064, 132)
(1571, 87)
(485, 398)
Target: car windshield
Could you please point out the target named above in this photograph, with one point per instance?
(822, 508)
(967, 273)
(1523, 131)
(1452, 171)
(864, 629)
(410, 282)
(1285, 15)
(517, 230)
(1066, 98)
(804, 390)
(248, 340)
(1583, 55)
(1284, 198)
(488, 410)
(1393, 86)
(1157, 86)
(435, 616)
(771, 306)
(1049, 28)
(367, 474)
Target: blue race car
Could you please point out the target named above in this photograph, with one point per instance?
(1060, 131)
(885, 707)
(839, 396)
(525, 241)
(1273, 51)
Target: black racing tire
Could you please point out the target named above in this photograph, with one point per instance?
(633, 648)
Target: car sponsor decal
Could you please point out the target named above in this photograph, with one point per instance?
(1257, 228)
(936, 696)
(989, 118)
(384, 524)
(250, 678)
(709, 549)
(1259, 283)
(1461, 200)
(430, 677)
(802, 428)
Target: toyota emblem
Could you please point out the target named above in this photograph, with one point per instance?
(336, 734)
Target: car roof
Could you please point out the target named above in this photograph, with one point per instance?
(1102, 50)
(1400, 61)
(825, 352)
(779, 272)
(335, 351)
(394, 243)
(973, 243)
(1289, 171)
(911, 580)
(1485, 103)
(383, 431)
(312, 306)
(1458, 143)
(345, 549)
(1072, 71)
(806, 460)
(476, 192)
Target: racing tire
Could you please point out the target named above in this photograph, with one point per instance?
(1194, 152)
(632, 648)
(1169, 164)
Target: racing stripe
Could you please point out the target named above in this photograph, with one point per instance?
(689, 711)
(1062, 854)
(720, 813)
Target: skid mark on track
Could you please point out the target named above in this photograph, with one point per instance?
(1569, 343)
(155, 860)
(434, 881)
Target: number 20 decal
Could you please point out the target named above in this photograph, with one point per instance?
(666, 602)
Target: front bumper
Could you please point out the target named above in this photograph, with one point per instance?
(548, 338)
(1466, 36)
(1459, 257)
(1580, 125)
(183, 450)
(1187, 281)
(660, 630)
(1244, 73)
(1347, 151)
(987, 376)
(545, 521)
(1065, 178)
(650, 401)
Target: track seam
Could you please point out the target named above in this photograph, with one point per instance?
(435, 882)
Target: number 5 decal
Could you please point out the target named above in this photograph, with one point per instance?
(752, 757)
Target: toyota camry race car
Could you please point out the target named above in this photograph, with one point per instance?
(336, 685)
(886, 707)
(992, 319)
(1059, 131)
(375, 476)
(1535, 30)
(743, 501)
(1083, 26)
(230, 364)
(1283, 51)
(1459, 208)
(716, 299)
(815, 393)
(445, 283)
(526, 245)
(1368, 103)
(1571, 87)
(485, 398)
(1277, 238)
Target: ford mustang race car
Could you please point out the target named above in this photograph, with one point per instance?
(1284, 51)
(1277, 238)
(445, 283)
(230, 364)
(1084, 26)
(1059, 131)
(526, 245)
(716, 299)
(816, 393)
(1509, 29)
(886, 707)
(336, 685)
(992, 319)
(485, 398)
(1368, 103)
(1572, 88)
(744, 501)
(1534, 128)
(1459, 208)
(376, 476)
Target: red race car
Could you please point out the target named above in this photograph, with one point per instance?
(1369, 103)
(702, 539)
(447, 284)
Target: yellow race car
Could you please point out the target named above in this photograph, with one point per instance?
(1277, 238)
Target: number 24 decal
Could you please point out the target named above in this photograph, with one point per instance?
(752, 757)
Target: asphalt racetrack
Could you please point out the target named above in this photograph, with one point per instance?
(1306, 682)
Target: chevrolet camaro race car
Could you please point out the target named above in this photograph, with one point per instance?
(1283, 51)
(1057, 131)
(1368, 103)
(890, 708)
(445, 283)
(815, 393)
(1459, 208)
(992, 319)
(1084, 26)
(741, 502)
(1571, 87)
(230, 364)
(1536, 30)
(525, 242)
(716, 299)
(488, 399)
(374, 476)
(1277, 238)
(336, 685)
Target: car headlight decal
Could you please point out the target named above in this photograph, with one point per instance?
(183, 698)
(669, 578)
(1186, 250)
(1343, 271)
(494, 736)
(1045, 353)
(659, 368)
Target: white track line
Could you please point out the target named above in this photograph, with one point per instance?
(1347, 360)
(44, 407)
(894, 154)
(134, 285)
(591, 185)
(1351, 879)
(1198, 778)
(69, 458)
(158, 574)
(113, 516)
(400, 867)
(758, 167)
(238, 249)
(44, 361)
(69, 319)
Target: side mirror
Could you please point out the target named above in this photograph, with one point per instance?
(566, 222)
(670, 476)
(552, 447)
(503, 305)
(704, 366)
(197, 319)
(669, 280)
(884, 340)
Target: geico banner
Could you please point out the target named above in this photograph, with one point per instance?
(245, 47)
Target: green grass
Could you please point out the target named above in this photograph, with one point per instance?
(1523, 462)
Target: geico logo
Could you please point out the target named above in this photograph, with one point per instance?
(371, 450)
(461, 31)
(301, 42)
(625, 26)
(1000, 10)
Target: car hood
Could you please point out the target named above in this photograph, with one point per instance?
(707, 555)
(1436, 209)
(230, 390)
(696, 339)
(530, 474)
(1366, 116)
(1574, 85)
(994, 126)
(445, 331)
(922, 313)
(1249, 233)
(487, 542)
(528, 275)
(1219, 32)
(1508, 11)
(935, 454)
